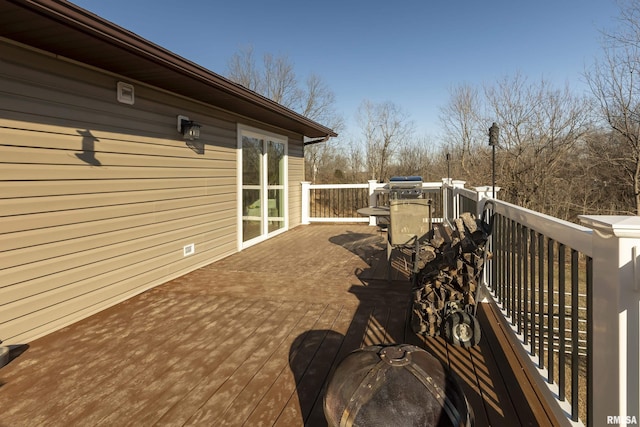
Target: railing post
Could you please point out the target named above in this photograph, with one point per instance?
(373, 199)
(304, 209)
(446, 183)
(614, 368)
(485, 192)
(456, 197)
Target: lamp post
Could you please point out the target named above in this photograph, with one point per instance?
(494, 132)
(448, 170)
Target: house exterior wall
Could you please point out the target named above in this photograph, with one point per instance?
(296, 176)
(98, 198)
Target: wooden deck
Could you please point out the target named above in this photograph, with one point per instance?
(249, 340)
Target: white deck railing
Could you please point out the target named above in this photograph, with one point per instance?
(541, 263)
(339, 202)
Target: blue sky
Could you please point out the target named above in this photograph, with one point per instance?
(408, 52)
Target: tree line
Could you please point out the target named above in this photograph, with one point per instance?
(558, 152)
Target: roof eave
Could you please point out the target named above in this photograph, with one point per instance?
(98, 41)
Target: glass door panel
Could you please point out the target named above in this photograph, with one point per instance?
(252, 149)
(252, 153)
(276, 210)
(275, 185)
(252, 214)
(275, 156)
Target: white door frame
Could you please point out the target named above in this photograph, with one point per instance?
(252, 132)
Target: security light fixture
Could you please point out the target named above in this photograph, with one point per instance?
(189, 129)
(125, 93)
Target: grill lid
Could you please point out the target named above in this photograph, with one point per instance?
(405, 187)
(396, 385)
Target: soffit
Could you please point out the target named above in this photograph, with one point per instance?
(65, 29)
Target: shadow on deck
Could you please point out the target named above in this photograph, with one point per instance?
(250, 340)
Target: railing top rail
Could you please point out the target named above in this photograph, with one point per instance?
(330, 186)
(471, 194)
(565, 232)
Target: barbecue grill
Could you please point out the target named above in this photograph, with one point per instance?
(409, 216)
(395, 385)
(405, 187)
(409, 210)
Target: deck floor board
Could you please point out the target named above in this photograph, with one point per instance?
(249, 341)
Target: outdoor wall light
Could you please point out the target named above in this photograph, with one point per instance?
(189, 129)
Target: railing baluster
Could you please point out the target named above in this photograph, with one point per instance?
(507, 264)
(327, 203)
(525, 284)
(519, 283)
(492, 280)
(500, 257)
(541, 300)
(550, 362)
(574, 335)
(503, 261)
(514, 269)
(518, 279)
(589, 273)
(561, 320)
(532, 288)
(506, 267)
(353, 200)
(315, 204)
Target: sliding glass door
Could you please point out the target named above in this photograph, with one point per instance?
(264, 177)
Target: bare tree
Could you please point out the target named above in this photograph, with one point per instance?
(367, 122)
(539, 128)
(316, 101)
(279, 80)
(356, 162)
(385, 127)
(242, 69)
(462, 125)
(602, 185)
(275, 78)
(416, 157)
(614, 81)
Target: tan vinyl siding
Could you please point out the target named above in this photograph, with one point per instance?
(99, 198)
(296, 176)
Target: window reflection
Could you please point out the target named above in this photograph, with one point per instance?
(251, 160)
(275, 156)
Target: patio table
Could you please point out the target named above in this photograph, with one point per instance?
(380, 211)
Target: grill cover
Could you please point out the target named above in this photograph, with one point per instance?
(398, 385)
